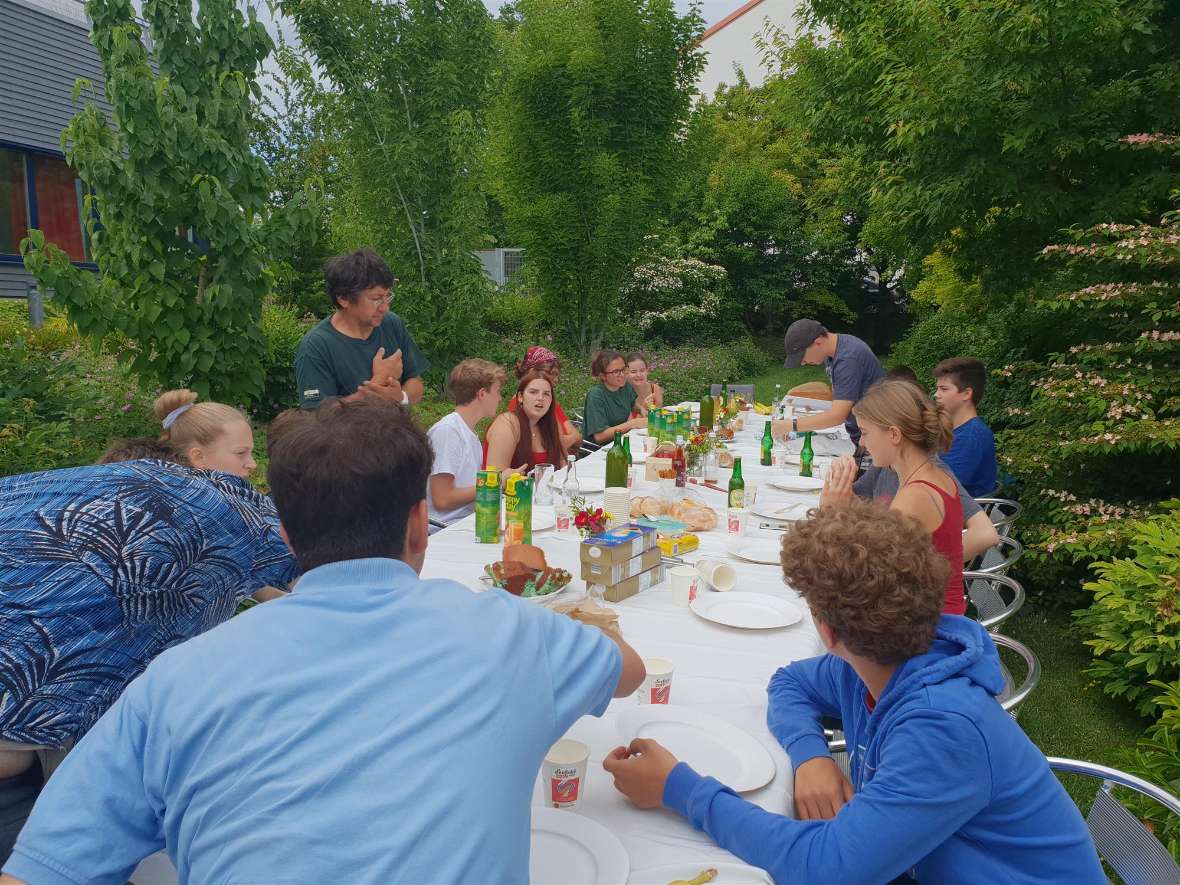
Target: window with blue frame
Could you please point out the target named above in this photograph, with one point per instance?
(40, 191)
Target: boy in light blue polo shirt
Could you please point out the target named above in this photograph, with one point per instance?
(371, 727)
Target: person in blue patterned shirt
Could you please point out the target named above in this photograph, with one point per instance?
(102, 568)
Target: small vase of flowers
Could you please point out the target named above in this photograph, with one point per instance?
(588, 520)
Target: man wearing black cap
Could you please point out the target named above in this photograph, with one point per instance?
(851, 366)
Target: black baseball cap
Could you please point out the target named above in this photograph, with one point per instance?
(799, 337)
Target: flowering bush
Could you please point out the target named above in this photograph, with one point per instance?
(1092, 431)
(676, 299)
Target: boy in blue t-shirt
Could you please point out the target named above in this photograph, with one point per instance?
(972, 456)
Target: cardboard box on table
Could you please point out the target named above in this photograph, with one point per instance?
(628, 554)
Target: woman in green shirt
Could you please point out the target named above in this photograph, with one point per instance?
(610, 403)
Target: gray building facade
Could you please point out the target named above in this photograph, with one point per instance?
(44, 48)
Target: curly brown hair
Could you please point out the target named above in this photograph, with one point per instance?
(871, 574)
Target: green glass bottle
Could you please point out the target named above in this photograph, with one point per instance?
(627, 449)
(737, 486)
(767, 445)
(652, 415)
(707, 411)
(806, 456)
(616, 464)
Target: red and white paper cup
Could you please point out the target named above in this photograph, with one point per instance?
(565, 773)
(657, 685)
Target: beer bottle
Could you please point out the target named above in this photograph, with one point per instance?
(767, 445)
(806, 456)
(616, 464)
(737, 486)
(707, 411)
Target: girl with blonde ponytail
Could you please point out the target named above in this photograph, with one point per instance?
(206, 435)
(904, 429)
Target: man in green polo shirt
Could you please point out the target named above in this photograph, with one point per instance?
(362, 349)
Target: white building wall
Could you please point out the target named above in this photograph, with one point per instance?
(734, 44)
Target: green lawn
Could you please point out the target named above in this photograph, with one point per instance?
(788, 378)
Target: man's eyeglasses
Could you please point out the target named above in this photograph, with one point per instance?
(377, 302)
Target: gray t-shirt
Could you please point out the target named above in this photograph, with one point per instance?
(852, 371)
(881, 483)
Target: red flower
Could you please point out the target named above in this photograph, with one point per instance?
(582, 519)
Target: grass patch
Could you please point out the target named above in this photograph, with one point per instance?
(1068, 715)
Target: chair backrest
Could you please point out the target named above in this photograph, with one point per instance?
(997, 560)
(1003, 513)
(1123, 842)
(996, 597)
(746, 391)
(1014, 695)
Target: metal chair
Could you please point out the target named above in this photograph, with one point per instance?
(1123, 842)
(746, 391)
(1014, 695)
(997, 560)
(996, 597)
(1003, 512)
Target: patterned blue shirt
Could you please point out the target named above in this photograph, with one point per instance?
(104, 567)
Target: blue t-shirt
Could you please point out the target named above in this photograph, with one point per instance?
(972, 457)
(370, 728)
(852, 371)
(103, 567)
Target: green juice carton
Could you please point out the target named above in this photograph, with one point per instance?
(487, 506)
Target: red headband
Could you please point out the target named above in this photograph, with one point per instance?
(537, 355)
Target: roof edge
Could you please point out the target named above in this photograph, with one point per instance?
(730, 19)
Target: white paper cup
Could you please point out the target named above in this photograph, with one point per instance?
(565, 773)
(684, 584)
(657, 685)
(717, 574)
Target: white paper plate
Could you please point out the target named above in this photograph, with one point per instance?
(779, 511)
(763, 552)
(710, 745)
(727, 874)
(798, 483)
(569, 848)
(751, 611)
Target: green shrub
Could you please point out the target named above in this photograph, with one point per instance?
(676, 300)
(282, 330)
(1134, 621)
(61, 408)
(1156, 758)
(515, 313)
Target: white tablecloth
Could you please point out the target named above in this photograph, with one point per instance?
(721, 670)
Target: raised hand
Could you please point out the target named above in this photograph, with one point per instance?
(387, 368)
(838, 483)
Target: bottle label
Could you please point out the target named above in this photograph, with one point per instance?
(737, 498)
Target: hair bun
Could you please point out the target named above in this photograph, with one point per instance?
(939, 428)
(166, 403)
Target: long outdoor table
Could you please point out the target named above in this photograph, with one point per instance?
(720, 670)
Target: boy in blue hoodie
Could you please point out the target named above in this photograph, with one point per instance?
(945, 785)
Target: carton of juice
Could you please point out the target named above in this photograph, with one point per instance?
(518, 510)
(487, 506)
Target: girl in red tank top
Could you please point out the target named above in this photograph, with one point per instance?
(904, 429)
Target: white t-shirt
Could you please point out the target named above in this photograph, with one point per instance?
(457, 451)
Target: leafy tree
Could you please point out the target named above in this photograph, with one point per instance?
(595, 93)
(748, 208)
(294, 136)
(411, 82)
(986, 127)
(179, 221)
